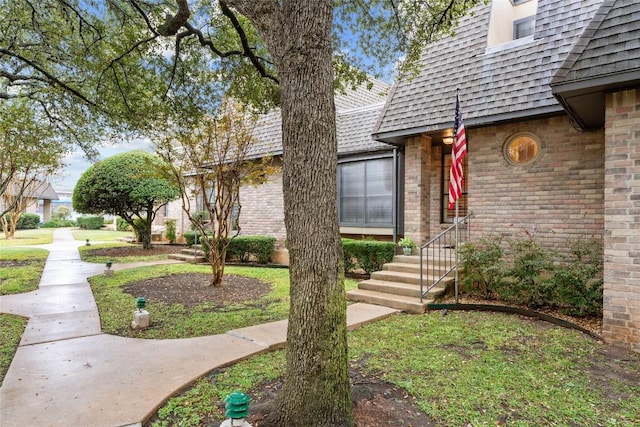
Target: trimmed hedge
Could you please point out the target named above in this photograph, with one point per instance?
(244, 247)
(28, 221)
(368, 255)
(91, 222)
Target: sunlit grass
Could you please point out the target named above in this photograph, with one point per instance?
(100, 235)
(38, 236)
(21, 269)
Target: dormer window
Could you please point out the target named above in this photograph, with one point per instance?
(511, 20)
(524, 27)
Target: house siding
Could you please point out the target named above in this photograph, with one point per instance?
(262, 210)
(621, 320)
(557, 196)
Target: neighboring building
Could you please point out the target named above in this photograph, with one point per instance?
(40, 202)
(550, 95)
(366, 172)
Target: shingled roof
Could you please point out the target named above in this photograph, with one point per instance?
(607, 56)
(356, 113)
(504, 82)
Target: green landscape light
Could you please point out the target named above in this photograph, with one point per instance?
(237, 405)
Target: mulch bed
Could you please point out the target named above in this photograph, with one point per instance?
(193, 289)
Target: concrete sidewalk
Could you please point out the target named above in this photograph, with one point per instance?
(66, 372)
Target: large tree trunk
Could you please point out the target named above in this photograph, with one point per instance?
(316, 388)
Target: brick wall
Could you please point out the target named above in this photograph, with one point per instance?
(621, 322)
(417, 184)
(263, 210)
(558, 195)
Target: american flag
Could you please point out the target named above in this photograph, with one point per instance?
(458, 151)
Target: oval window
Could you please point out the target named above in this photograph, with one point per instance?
(521, 148)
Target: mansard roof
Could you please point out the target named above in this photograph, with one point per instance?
(606, 57)
(505, 82)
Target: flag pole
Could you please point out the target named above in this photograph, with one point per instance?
(456, 249)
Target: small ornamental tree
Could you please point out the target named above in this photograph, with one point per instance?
(130, 185)
(210, 164)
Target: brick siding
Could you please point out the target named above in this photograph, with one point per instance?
(621, 320)
(557, 196)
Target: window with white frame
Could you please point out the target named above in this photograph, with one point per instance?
(365, 192)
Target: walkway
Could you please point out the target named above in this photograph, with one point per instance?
(66, 372)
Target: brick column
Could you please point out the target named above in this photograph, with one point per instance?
(417, 161)
(621, 319)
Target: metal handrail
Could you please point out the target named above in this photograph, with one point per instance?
(438, 252)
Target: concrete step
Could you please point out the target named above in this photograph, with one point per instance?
(399, 302)
(404, 289)
(402, 277)
(192, 252)
(412, 268)
(188, 258)
(446, 256)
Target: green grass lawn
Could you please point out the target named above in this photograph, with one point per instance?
(176, 321)
(100, 235)
(11, 328)
(39, 236)
(463, 369)
(21, 269)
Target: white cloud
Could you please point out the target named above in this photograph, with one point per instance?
(77, 163)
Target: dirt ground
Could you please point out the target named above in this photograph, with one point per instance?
(375, 402)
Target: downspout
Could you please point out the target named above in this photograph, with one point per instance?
(394, 214)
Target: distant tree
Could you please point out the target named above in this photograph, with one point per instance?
(131, 185)
(62, 213)
(30, 153)
(210, 163)
(19, 201)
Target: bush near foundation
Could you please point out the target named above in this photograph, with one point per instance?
(243, 248)
(523, 272)
(367, 255)
(90, 222)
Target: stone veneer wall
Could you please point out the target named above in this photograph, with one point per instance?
(621, 320)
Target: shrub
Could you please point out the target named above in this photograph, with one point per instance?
(368, 255)
(170, 230)
(578, 281)
(530, 269)
(191, 237)
(28, 221)
(122, 225)
(58, 223)
(483, 267)
(91, 222)
(243, 247)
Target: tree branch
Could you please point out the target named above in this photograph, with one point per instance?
(51, 79)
